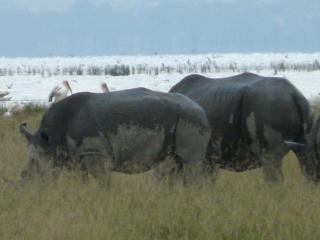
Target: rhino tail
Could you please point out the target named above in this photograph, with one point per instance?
(305, 113)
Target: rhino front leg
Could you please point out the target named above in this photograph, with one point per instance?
(98, 167)
(210, 167)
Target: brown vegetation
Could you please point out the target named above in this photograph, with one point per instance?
(237, 206)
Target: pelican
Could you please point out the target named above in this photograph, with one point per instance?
(14, 108)
(3, 94)
(104, 87)
(60, 92)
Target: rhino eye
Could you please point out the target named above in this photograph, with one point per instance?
(45, 138)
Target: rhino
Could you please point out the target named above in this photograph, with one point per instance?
(255, 122)
(129, 131)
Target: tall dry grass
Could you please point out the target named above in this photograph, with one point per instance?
(237, 206)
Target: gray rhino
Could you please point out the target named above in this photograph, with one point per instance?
(255, 121)
(129, 131)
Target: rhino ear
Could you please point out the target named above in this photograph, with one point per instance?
(24, 131)
(45, 138)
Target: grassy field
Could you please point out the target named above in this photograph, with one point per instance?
(238, 206)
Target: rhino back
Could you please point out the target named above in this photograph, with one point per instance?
(138, 125)
(228, 101)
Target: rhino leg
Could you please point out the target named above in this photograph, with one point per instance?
(101, 171)
(98, 167)
(170, 169)
(82, 169)
(210, 168)
(309, 166)
(191, 143)
(272, 167)
(272, 155)
(269, 146)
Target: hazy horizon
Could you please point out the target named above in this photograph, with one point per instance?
(42, 28)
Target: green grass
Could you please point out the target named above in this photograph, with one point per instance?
(237, 206)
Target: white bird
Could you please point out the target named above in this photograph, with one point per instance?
(14, 108)
(60, 92)
(3, 94)
(104, 87)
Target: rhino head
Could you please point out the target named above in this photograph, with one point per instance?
(40, 153)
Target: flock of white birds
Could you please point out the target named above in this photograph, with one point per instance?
(58, 93)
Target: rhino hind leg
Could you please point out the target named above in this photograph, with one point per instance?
(272, 167)
(191, 142)
(272, 156)
(169, 169)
